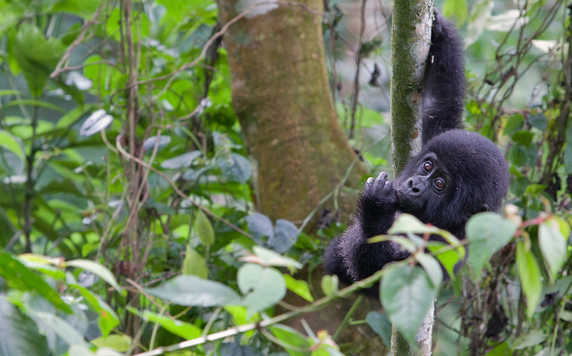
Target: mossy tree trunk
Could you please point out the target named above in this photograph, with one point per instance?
(281, 94)
(410, 41)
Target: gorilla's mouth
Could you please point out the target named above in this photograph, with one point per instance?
(408, 204)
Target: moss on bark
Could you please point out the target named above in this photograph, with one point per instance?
(281, 95)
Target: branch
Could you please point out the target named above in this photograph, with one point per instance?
(319, 304)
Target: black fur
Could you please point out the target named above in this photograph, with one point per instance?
(473, 168)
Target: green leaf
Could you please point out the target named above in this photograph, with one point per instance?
(82, 8)
(59, 326)
(407, 223)
(194, 291)
(456, 9)
(299, 287)
(19, 333)
(487, 233)
(432, 267)
(448, 258)
(21, 277)
(381, 325)
(262, 287)
(12, 144)
(97, 269)
(407, 295)
(176, 327)
(291, 337)
(552, 245)
(329, 284)
(203, 228)
(534, 337)
(271, 258)
(529, 274)
(107, 319)
(35, 55)
(120, 343)
(194, 264)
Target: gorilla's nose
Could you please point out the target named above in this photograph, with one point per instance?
(415, 185)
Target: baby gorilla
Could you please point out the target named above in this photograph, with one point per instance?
(457, 174)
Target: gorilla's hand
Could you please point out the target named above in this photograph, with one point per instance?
(379, 194)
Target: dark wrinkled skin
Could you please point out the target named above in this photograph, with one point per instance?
(457, 173)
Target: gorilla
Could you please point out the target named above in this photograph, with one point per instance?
(457, 173)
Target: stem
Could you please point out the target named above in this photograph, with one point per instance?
(29, 190)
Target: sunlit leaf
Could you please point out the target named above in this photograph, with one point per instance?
(120, 343)
(12, 144)
(530, 277)
(177, 327)
(299, 287)
(329, 284)
(21, 277)
(97, 269)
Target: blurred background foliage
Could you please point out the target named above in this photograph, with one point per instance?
(123, 165)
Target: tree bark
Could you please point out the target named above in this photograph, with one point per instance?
(281, 94)
(410, 42)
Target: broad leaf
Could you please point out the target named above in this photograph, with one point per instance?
(194, 291)
(259, 226)
(530, 277)
(181, 161)
(194, 264)
(381, 325)
(262, 286)
(203, 228)
(407, 295)
(177, 327)
(487, 233)
(97, 269)
(21, 277)
(299, 287)
(18, 333)
(285, 236)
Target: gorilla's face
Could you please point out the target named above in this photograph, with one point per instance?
(456, 175)
(423, 185)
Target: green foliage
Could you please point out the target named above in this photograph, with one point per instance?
(132, 206)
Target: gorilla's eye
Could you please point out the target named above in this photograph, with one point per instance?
(439, 183)
(427, 166)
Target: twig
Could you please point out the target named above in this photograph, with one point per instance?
(65, 58)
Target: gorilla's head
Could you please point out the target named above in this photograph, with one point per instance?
(457, 174)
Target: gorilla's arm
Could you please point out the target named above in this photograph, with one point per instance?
(349, 256)
(444, 82)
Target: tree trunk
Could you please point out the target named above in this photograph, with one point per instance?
(281, 95)
(410, 41)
